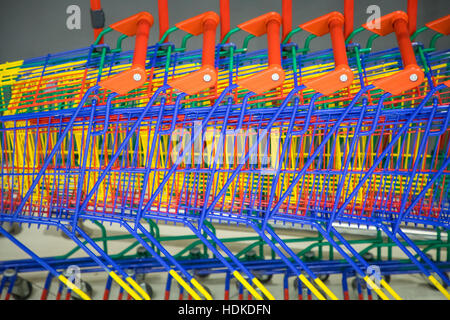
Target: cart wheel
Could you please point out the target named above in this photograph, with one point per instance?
(77, 234)
(261, 294)
(86, 288)
(208, 290)
(148, 288)
(361, 281)
(368, 257)
(202, 273)
(295, 283)
(26, 292)
(13, 229)
(264, 278)
(324, 277)
(142, 252)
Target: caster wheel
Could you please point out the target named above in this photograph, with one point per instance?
(142, 253)
(22, 289)
(201, 274)
(368, 257)
(208, 290)
(25, 292)
(264, 278)
(295, 284)
(309, 256)
(148, 288)
(361, 282)
(13, 229)
(251, 255)
(324, 277)
(77, 234)
(86, 287)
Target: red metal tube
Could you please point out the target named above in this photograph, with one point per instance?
(163, 14)
(412, 16)
(404, 42)
(348, 17)
(286, 16)
(95, 6)
(209, 34)
(224, 18)
(338, 42)
(140, 48)
(273, 39)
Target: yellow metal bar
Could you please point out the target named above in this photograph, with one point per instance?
(311, 287)
(126, 287)
(247, 285)
(439, 286)
(263, 289)
(201, 289)
(325, 288)
(184, 284)
(74, 288)
(390, 290)
(375, 288)
(138, 288)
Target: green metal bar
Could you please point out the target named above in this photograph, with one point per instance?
(103, 231)
(290, 34)
(184, 43)
(246, 41)
(119, 43)
(308, 42)
(101, 34)
(415, 34)
(228, 35)
(166, 34)
(433, 41)
(370, 41)
(354, 33)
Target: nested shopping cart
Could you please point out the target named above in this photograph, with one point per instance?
(221, 134)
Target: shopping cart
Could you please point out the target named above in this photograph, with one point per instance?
(251, 138)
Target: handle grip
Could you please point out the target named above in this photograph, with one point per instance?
(274, 75)
(97, 18)
(342, 75)
(139, 25)
(206, 77)
(411, 76)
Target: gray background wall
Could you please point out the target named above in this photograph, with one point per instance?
(30, 28)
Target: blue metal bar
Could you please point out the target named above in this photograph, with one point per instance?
(319, 148)
(54, 150)
(121, 147)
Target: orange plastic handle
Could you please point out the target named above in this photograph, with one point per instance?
(206, 76)
(441, 25)
(342, 75)
(139, 25)
(411, 76)
(274, 75)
